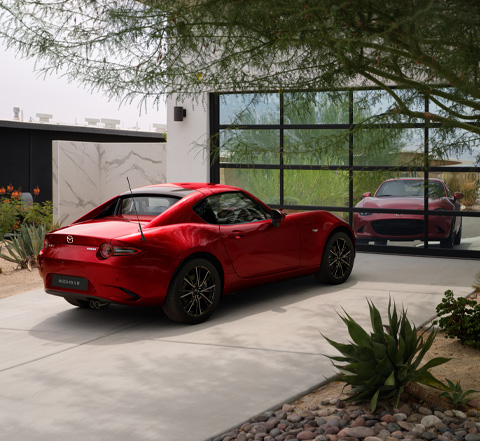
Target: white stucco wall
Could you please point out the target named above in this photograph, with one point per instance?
(187, 157)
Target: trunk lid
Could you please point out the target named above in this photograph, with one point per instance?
(93, 233)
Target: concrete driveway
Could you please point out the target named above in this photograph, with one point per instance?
(130, 374)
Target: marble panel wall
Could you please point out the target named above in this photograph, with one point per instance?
(86, 174)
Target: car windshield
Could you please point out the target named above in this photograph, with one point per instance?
(404, 188)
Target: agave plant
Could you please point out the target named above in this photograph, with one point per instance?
(379, 365)
(23, 248)
(455, 394)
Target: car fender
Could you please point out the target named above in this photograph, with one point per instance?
(315, 229)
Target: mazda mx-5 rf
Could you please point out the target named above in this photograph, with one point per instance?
(409, 194)
(185, 245)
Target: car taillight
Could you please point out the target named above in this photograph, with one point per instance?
(125, 251)
(106, 250)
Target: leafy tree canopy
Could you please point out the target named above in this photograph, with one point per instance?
(145, 49)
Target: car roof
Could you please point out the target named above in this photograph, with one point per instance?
(181, 189)
(414, 179)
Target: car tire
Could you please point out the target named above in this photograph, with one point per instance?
(84, 304)
(449, 241)
(337, 260)
(194, 292)
(458, 236)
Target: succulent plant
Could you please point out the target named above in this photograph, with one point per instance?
(23, 248)
(379, 365)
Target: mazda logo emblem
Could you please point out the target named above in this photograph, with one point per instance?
(69, 239)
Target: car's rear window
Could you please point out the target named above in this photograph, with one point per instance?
(141, 205)
(145, 205)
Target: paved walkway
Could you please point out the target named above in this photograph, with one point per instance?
(130, 374)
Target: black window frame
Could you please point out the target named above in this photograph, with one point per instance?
(426, 169)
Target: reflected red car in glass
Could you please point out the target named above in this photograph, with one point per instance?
(185, 245)
(408, 194)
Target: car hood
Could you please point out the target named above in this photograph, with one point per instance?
(410, 203)
(93, 233)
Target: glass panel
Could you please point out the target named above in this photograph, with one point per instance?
(388, 147)
(250, 146)
(264, 184)
(316, 147)
(467, 183)
(470, 237)
(316, 187)
(445, 106)
(454, 147)
(316, 108)
(250, 108)
(377, 106)
(396, 228)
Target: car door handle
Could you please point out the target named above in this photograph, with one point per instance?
(235, 235)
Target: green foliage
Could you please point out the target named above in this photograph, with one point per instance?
(24, 247)
(130, 48)
(15, 212)
(455, 394)
(9, 214)
(380, 364)
(39, 213)
(305, 147)
(460, 318)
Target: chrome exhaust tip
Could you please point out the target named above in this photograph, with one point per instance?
(95, 304)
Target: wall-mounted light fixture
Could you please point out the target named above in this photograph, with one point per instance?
(179, 113)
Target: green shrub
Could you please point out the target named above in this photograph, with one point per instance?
(9, 216)
(459, 318)
(379, 365)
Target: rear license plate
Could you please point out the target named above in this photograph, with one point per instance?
(70, 282)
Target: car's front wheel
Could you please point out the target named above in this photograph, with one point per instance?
(458, 236)
(449, 242)
(337, 260)
(194, 292)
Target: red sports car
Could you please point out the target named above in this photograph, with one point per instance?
(408, 194)
(185, 245)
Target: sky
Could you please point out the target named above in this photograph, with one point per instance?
(68, 102)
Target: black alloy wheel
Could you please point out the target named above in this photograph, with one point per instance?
(194, 292)
(337, 260)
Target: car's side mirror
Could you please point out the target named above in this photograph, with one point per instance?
(366, 195)
(277, 217)
(458, 195)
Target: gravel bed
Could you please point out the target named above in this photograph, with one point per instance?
(333, 421)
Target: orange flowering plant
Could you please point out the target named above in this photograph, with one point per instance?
(25, 224)
(15, 211)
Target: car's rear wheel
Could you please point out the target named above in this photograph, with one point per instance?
(80, 303)
(194, 292)
(337, 260)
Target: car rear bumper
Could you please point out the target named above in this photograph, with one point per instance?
(127, 280)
